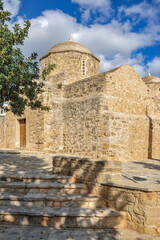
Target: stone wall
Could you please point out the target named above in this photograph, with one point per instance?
(142, 207)
(154, 145)
(71, 62)
(155, 90)
(53, 128)
(2, 132)
(37, 130)
(108, 116)
(81, 126)
(86, 170)
(34, 129)
(121, 137)
(103, 178)
(9, 126)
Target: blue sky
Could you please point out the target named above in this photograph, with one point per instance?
(117, 32)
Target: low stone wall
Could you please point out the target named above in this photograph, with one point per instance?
(142, 207)
(142, 203)
(86, 170)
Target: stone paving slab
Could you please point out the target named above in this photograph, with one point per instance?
(48, 211)
(15, 232)
(144, 174)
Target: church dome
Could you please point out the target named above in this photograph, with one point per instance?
(151, 79)
(70, 58)
(66, 47)
(69, 46)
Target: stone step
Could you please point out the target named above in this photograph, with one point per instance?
(44, 187)
(45, 200)
(101, 218)
(25, 177)
(50, 233)
(108, 234)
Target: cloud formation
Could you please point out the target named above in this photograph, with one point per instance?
(154, 66)
(115, 43)
(140, 11)
(44, 32)
(89, 7)
(112, 38)
(118, 60)
(12, 6)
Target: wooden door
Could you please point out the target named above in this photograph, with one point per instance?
(22, 123)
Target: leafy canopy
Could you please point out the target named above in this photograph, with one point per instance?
(17, 73)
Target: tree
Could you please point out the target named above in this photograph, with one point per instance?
(17, 73)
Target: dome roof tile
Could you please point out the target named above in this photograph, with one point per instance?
(68, 46)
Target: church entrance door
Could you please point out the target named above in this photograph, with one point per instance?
(22, 123)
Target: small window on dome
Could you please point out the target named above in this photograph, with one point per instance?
(83, 67)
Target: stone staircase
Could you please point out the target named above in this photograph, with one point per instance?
(55, 201)
(37, 204)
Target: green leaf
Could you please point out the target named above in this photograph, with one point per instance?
(17, 73)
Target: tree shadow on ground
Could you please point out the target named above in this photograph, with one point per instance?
(150, 165)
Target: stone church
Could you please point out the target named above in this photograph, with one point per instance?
(111, 116)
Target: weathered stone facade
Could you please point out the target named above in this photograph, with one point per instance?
(153, 83)
(96, 122)
(71, 58)
(142, 207)
(110, 116)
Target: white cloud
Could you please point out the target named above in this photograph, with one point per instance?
(12, 6)
(118, 60)
(107, 40)
(141, 69)
(49, 29)
(140, 11)
(112, 38)
(154, 66)
(92, 3)
(89, 7)
(114, 43)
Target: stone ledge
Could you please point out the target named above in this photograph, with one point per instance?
(87, 170)
(139, 187)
